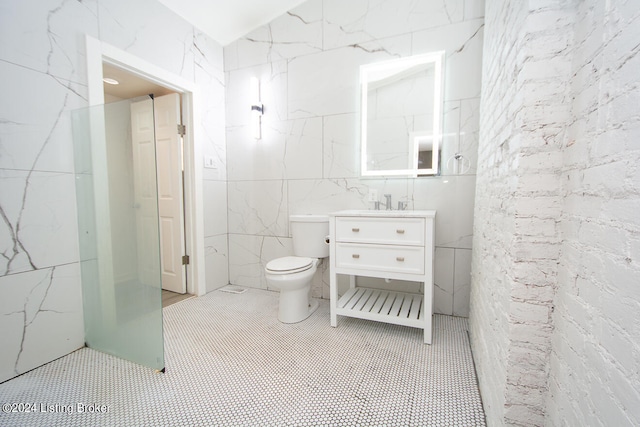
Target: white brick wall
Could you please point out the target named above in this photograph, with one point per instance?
(555, 291)
(595, 358)
(492, 263)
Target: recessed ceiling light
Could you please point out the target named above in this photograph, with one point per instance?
(110, 81)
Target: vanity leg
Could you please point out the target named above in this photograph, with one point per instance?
(352, 281)
(333, 299)
(428, 328)
(428, 312)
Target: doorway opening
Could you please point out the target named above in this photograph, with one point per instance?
(164, 106)
(162, 83)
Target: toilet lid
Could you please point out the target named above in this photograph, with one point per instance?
(289, 264)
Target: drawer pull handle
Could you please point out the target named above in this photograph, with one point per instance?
(400, 231)
(400, 258)
(355, 230)
(355, 256)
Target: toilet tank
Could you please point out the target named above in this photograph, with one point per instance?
(309, 234)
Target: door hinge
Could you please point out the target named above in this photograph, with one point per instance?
(182, 130)
(185, 260)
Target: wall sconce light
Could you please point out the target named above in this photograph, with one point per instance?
(257, 109)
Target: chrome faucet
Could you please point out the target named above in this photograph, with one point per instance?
(402, 205)
(388, 197)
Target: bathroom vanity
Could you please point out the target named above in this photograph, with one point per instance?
(389, 245)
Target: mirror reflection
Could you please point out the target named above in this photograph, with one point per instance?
(402, 116)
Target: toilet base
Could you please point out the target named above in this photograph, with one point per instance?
(301, 311)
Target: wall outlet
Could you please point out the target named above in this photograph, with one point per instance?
(208, 162)
(373, 195)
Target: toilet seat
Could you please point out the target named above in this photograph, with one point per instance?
(289, 265)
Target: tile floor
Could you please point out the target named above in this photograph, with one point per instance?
(229, 362)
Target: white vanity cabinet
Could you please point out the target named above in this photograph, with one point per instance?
(389, 245)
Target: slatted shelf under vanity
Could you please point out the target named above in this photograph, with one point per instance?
(382, 305)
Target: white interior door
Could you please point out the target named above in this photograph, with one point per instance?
(144, 183)
(170, 198)
(167, 153)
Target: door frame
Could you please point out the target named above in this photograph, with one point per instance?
(99, 52)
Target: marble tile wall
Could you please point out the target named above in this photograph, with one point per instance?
(307, 161)
(42, 62)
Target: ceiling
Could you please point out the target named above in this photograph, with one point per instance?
(129, 85)
(227, 20)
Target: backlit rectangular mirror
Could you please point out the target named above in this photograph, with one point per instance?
(401, 112)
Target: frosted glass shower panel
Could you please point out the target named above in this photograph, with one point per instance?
(118, 232)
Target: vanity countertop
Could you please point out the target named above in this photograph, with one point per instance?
(384, 213)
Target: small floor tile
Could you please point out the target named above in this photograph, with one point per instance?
(229, 362)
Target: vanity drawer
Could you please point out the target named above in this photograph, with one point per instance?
(388, 231)
(387, 258)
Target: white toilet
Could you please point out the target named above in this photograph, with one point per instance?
(293, 274)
